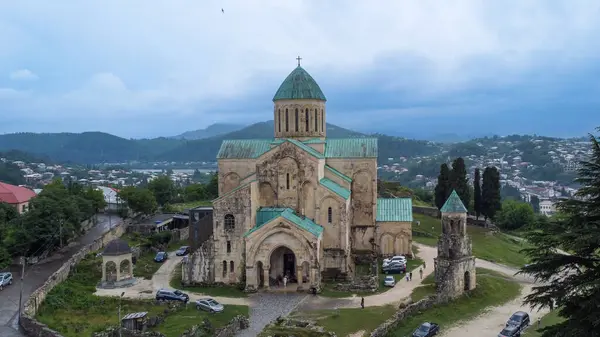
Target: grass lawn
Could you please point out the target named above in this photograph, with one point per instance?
(145, 266)
(73, 310)
(184, 206)
(550, 318)
(328, 290)
(349, 320)
(492, 290)
(499, 247)
(223, 291)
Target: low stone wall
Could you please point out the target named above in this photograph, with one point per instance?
(429, 211)
(360, 284)
(235, 325)
(386, 327)
(28, 322)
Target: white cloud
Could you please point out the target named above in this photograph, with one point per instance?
(114, 56)
(23, 75)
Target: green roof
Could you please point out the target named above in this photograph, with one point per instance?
(334, 147)
(351, 148)
(299, 85)
(338, 173)
(394, 209)
(243, 148)
(335, 188)
(453, 204)
(267, 214)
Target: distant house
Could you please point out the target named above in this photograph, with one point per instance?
(547, 207)
(111, 197)
(17, 196)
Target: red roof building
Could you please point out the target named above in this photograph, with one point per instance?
(16, 195)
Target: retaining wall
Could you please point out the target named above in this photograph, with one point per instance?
(385, 328)
(30, 325)
(429, 211)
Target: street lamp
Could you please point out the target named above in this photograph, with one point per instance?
(123, 293)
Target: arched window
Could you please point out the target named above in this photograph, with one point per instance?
(287, 181)
(329, 215)
(224, 268)
(279, 119)
(297, 124)
(307, 120)
(287, 121)
(229, 222)
(231, 267)
(316, 120)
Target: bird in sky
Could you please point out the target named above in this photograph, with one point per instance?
(222, 10)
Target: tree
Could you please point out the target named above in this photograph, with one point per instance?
(459, 181)
(570, 280)
(490, 192)
(7, 214)
(212, 188)
(443, 188)
(140, 200)
(163, 189)
(194, 192)
(514, 215)
(535, 203)
(477, 193)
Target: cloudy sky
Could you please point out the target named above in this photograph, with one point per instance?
(149, 68)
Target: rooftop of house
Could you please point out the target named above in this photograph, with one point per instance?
(12, 194)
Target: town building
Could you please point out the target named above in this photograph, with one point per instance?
(16, 196)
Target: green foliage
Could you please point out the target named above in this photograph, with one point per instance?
(443, 187)
(490, 192)
(459, 181)
(477, 201)
(139, 200)
(570, 280)
(11, 174)
(535, 203)
(510, 192)
(195, 192)
(163, 189)
(515, 215)
(212, 189)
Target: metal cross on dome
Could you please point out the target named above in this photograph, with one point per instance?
(299, 59)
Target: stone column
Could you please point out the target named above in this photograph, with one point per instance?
(299, 277)
(130, 268)
(266, 269)
(118, 270)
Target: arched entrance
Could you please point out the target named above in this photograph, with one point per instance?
(283, 263)
(467, 281)
(260, 275)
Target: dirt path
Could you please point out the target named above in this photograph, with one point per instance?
(491, 322)
(146, 289)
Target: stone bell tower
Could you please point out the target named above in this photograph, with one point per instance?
(455, 263)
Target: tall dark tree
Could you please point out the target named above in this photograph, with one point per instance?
(535, 203)
(212, 188)
(570, 280)
(443, 187)
(163, 189)
(490, 192)
(477, 193)
(459, 181)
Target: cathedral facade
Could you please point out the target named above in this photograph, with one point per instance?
(301, 204)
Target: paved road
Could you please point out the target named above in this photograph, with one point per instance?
(266, 307)
(37, 274)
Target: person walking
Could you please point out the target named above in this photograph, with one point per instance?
(362, 302)
(410, 275)
(407, 278)
(424, 264)
(421, 273)
(285, 281)
(539, 322)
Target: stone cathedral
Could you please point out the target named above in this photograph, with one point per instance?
(300, 204)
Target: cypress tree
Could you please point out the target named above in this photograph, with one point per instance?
(443, 187)
(459, 181)
(490, 192)
(477, 193)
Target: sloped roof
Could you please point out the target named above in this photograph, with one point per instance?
(299, 85)
(266, 214)
(12, 194)
(394, 209)
(116, 247)
(453, 204)
(335, 188)
(351, 148)
(338, 174)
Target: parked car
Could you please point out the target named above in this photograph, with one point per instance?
(161, 257)
(183, 251)
(5, 279)
(394, 268)
(389, 281)
(172, 295)
(520, 320)
(427, 329)
(510, 331)
(210, 305)
(398, 258)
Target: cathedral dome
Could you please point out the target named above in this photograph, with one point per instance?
(299, 85)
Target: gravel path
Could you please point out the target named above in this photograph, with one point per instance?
(266, 307)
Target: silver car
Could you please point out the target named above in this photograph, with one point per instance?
(210, 305)
(5, 279)
(389, 281)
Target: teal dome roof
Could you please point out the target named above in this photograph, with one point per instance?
(299, 85)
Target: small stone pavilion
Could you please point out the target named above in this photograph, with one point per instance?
(117, 267)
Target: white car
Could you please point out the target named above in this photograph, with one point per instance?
(398, 258)
(5, 279)
(389, 281)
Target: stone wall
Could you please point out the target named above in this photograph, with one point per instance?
(235, 325)
(199, 266)
(360, 284)
(429, 211)
(386, 327)
(180, 234)
(28, 322)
